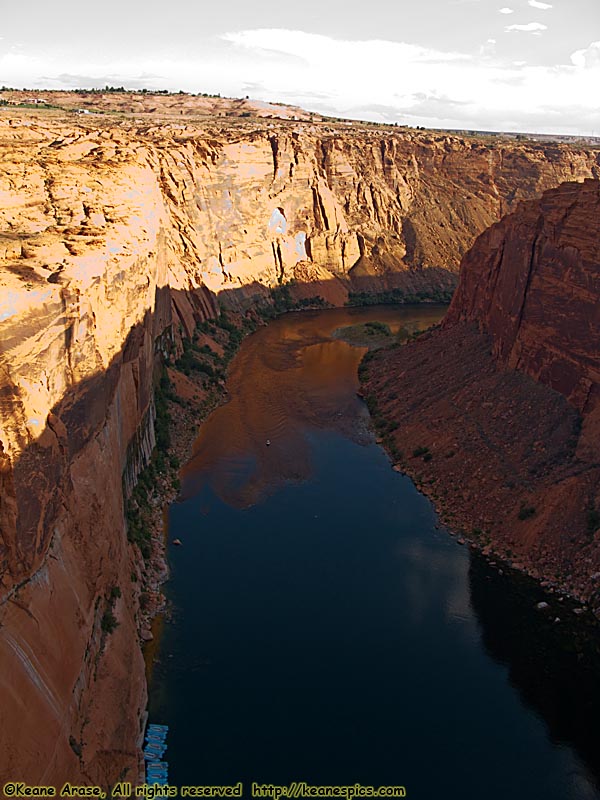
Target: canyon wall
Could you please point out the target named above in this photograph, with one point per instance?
(85, 310)
(252, 204)
(532, 281)
(351, 210)
(499, 407)
(116, 238)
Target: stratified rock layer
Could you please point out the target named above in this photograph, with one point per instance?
(505, 394)
(115, 238)
(533, 283)
(252, 205)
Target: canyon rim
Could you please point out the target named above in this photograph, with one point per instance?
(121, 235)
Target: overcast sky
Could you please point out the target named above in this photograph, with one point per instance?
(527, 65)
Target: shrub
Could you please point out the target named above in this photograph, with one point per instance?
(73, 743)
(108, 622)
(525, 512)
(379, 328)
(371, 402)
(420, 451)
(593, 520)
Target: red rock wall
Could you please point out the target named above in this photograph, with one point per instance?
(505, 395)
(109, 234)
(533, 282)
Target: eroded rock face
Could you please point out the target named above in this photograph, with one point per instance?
(253, 204)
(115, 239)
(505, 394)
(533, 282)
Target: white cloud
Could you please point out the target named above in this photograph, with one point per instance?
(506, 10)
(488, 49)
(408, 78)
(588, 58)
(530, 27)
(542, 6)
(378, 80)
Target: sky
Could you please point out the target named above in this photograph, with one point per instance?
(528, 65)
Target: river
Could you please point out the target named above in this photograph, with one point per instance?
(326, 628)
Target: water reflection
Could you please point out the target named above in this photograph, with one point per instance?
(324, 628)
(554, 668)
(288, 378)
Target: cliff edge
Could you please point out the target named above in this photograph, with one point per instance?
(497, 411)
(118, 236)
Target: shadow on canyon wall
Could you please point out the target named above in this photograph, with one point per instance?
(33, 489)
(65, 561)
(384, 285)
(552, 675)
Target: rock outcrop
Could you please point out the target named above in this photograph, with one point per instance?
(116, 238)
(533, 283)
(251, 205)
(499, 407)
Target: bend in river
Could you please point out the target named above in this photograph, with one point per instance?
(325, 627)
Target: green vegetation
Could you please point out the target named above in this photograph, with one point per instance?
(41, 106)
(108, 622)
(376, 327)
(280, 301)
(107, 89)
(75, 746)
(201, 362)
(366, 334)
(525, 512)
(593, 520)
(399, 296)
(138, 510)
(420, 451)
(363, 368)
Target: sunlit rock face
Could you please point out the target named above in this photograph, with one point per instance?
(358, 210)
(506, 395)
(116, 237)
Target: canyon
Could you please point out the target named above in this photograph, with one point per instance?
(120, 234)
(497, 411)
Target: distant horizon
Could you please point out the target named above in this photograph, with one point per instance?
(110, 89)
(446, 64)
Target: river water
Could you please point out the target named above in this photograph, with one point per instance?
(327, 629)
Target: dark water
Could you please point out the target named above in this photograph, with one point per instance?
(325, 630)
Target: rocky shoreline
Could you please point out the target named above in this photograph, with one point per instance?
(420, 443)
(189, 399)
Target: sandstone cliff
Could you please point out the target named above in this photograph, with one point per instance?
(533, 283)
(116, 237)
(499, 408)
(252, 204)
